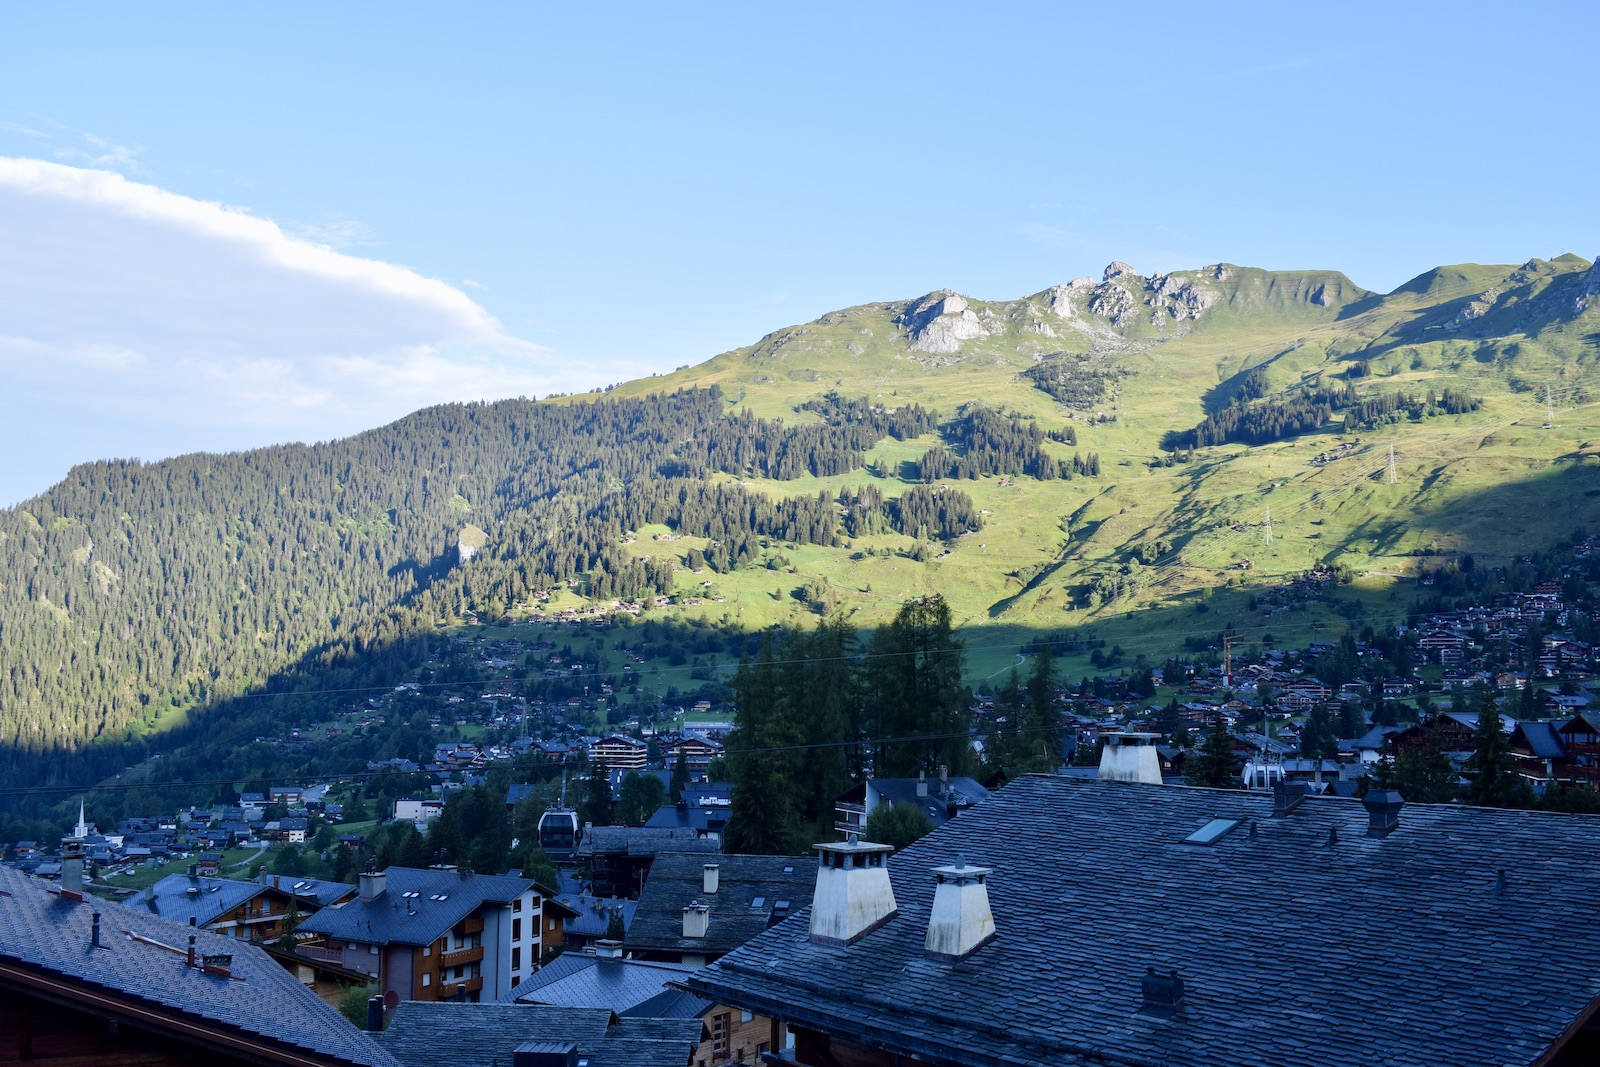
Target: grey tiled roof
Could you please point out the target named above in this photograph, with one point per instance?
(391, 917)
(581, 981)
(641, 841)
(1543, 740)
(594, 913)
(179, 897)
(677, 879)
(442, 1034)
(1294, 949)
(423, 1034)
(261, 999)
(671, 1004)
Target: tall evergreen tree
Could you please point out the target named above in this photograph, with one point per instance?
(762, 758)
(1214, 763)
(597, 806)
(922, 721)
(1041, 721)
(1492, 772)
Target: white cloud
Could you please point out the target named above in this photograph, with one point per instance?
(138, 322)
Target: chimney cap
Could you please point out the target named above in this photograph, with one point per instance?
(961, 871)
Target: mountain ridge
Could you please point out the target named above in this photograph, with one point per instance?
(1046, 494)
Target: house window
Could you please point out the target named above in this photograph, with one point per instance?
(516, 958)
(427, 980)
(744, 1016)
(719, 1034)
(427, 950)
(552, 925)
(516, 905)
(516, 929)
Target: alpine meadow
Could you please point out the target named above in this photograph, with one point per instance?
(1129, 463)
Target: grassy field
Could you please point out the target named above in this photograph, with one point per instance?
(1494, 483)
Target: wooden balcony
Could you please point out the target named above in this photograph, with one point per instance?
(468, 927)
(449, 990)
(319, 953)
(461, 956)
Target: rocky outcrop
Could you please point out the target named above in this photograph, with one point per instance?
(1475, 309)
(1112, 303)
(1115, 269)
(1179, 296)
(1588, 289)
(1059, 298)
(941, 322)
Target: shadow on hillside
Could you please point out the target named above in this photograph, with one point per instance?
(221, 749)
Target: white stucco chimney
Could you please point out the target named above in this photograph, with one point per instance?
(373, 884)
(853, 895)
(960, 922)
(696, 918)
(1131, 757)
(708, 883)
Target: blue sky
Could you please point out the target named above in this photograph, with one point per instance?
(578, 195)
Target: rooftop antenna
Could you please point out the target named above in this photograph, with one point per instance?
(1392, 476)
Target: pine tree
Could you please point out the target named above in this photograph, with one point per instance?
(680, 775)
(1041, 722)
(596, 806)
(1214, 763)
(762, 759)
(917, 693)
(1424, 774)
(1494, 781)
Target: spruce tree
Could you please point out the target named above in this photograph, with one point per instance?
(1041, 722)
(680, 775)
(1494, 781)
(1214, 763)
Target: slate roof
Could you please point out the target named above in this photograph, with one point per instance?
(261, 1001)
(171, 898)
(1294, 949)
(392, 917)
(1543, 741)
(677, 878)
(592, 915)
(594, 982)
(701, 819)
(434, 1034)
(671, 1004)
(963, 792)
(641, 841)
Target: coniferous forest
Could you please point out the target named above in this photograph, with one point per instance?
(135, 596)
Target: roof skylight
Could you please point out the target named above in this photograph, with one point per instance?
(1212, 832)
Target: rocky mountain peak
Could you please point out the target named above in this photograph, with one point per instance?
(940, 322)
(1116, 269)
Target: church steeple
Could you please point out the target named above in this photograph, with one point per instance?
(80, 831)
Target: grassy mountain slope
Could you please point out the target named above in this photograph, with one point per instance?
(130, 594)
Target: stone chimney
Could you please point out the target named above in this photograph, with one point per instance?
(1287, 796)
(853, 895)
(608, 949)
(709, 879)
(1162, 994)
(373, 884)
(1383, 811)
(696, 919)
(960, 922)
(922, 785)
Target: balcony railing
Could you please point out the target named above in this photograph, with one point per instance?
(317, 952)
(453, 989)
(461, 956)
